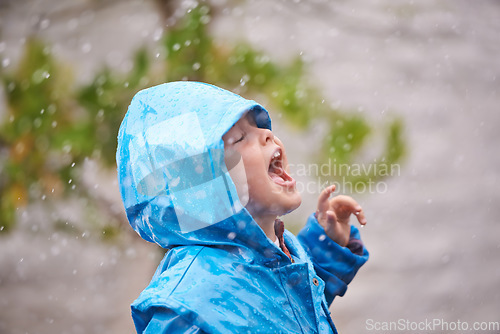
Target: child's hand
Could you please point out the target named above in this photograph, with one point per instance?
(333, 215)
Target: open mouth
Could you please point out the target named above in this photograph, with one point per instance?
(277, 171)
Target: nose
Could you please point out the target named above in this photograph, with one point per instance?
(266, 136)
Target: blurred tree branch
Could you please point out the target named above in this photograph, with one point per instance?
(52, 128)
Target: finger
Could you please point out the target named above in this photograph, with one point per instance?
(328, 218)
(345, 203)
(361, 217)
(349, 206)
(323, 204)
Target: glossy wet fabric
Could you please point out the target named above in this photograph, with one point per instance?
(221, 273)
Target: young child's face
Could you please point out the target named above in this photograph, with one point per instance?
(264, 183)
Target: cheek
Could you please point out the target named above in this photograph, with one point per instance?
(239, 177)
(256, 174)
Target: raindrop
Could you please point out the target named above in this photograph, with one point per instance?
(37, 122)
(175, 182)
(73, 164)
(244, 80)
(157, 34)
(322, 237)
(100, 115)
(2, 227)
(51, 109)
(241, 224)
(86, 47)
(5, 62)
(205, 19)
(54, 124)
(176, 47)
(231, 235)
(44, 24)
(196, 66)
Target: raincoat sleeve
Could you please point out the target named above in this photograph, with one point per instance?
(335, 264)
(165, 321)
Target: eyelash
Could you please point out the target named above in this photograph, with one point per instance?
(242, 137)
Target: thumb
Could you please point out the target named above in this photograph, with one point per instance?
(331, 217)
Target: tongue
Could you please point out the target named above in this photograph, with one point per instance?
(275, 177)
(279, 175)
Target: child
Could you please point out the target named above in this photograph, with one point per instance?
(202, 175)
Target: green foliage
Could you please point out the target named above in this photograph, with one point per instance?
(192, 55)
(34, 137)
(395, 146)
(348, 134)
(52, 127)
(105, 101)
(189, 47)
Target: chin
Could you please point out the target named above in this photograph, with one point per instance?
(293, 203)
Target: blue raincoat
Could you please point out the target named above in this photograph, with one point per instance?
(221, 273)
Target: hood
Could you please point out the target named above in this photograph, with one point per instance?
(174, 183)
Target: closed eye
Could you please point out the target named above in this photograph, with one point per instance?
(242, 137)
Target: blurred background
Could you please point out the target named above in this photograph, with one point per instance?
(407, 89)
